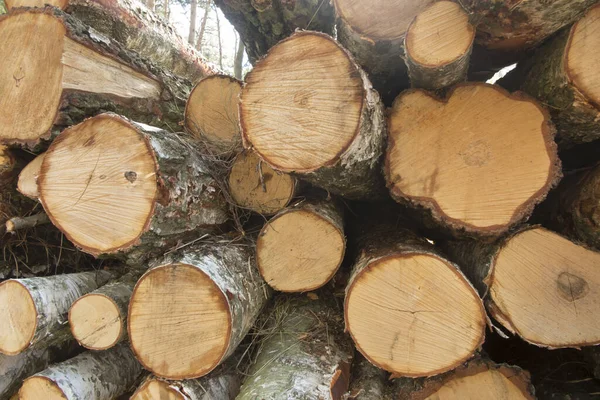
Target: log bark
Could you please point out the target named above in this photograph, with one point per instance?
(296, 92)
(13, 369)
(409, 310)
(82, 73)
(27, 184)
(477, 378)
(262, 24)
(305, 355)
(35, 308)
(18, 223)
(98, 320)
(562, 75)
(478, 131)
(536, 284)
(302, 247)
(219, 294)
(163, 195)
(438, 46)
(255, 186)
(368, 382)
(103, 375)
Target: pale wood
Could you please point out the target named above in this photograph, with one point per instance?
(212, 114)
(491, 156)
(27, 183)
(98, 321)
(254, 185)
(302, 247)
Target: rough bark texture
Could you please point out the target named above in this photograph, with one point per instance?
(262, 24)
(575, 117)
(367, 382)
(435, 78)
(189, 202)
(305, 356)
(13, 369)
(53, 296)
(102, 375)
(18, 223)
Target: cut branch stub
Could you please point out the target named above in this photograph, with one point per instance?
(214, 293)
(302, 247)
(564, 75)
(490, 156)
(27, 184)
(438, 46)
(539, 285)
(117, 187)
(409, 310)
(308, 108)
(212, 114)
(254, 185)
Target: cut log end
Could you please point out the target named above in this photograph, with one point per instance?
(495, 383)
(29, 82)
(98, 184)
(439, 35)
(582, 57)
(544, 287)
(299, 251)
(157, 389)
(62, 4)
(393, 16)
(212, 113)
(16, 306)
(39, 387)
(287, 112)
(27, 184)
(509, 138)
(96, 321)
(254, 185)
(435, 335)
(188, 338)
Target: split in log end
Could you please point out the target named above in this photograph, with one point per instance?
(17, 335)
(96, 321)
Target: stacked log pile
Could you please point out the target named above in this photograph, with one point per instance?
(287, 236)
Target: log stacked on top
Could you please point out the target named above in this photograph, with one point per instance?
(192, 304)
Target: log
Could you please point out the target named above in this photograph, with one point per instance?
(255, 186)
(305, 355)
(409, 310)
(263, 23)
(476, 379)
(562, 75)
(27, 184)
(378, 47)
(34, 308)
(367, 382)
(438, 46)
(301, 248)
(212, 115)
(492, 157)
(82, 74)
(17, 223)
(102, 375)
(309, 87)
(153, 185)
(137, 29)
(537, 284)
(214, 292)
(98, 320)
(13, 369)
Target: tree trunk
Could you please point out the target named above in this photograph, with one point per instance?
(98, 320)
(103, 375)
(305, 355)
(13, 369)
(166, 10)
(301, 248)
(537, 284)
(33, 309)
(563, 76)
(309, 87)
(255, 186)
(212, 115)
(27, 184)
(219, 294)
(479, 131)
(163, 195)
(192, 31)
(367, 381)
(239, 60)
(82, 73)
(219, 39)
(438, 46)
(261, 24)
(478, 378)
(203, 26)
(409, 310)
